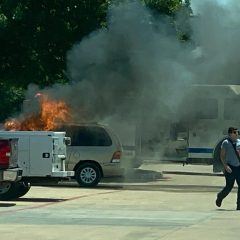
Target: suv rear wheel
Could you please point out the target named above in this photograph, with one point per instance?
(88, 174)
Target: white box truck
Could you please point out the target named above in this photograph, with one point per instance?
(31, 158)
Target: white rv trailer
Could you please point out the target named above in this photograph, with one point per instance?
(217, 108)
(209, 111)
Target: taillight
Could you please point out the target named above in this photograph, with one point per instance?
(116, 157)
(5, 151)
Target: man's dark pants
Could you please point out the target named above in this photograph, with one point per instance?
(230, 179)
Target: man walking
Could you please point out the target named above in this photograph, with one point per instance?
(229, 155)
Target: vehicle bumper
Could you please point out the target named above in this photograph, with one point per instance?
(112, 171)
(11, 175)
(63, 174)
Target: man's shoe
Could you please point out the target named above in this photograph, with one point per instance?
(219, 202)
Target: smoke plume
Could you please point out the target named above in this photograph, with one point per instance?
(135, 66)
(137, 69)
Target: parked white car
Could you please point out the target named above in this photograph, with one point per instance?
(95, 152)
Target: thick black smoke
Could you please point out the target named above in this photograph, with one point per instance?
(137, 69)
(135, 66)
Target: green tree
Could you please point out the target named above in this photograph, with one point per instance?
(35, 35)
(11, 99)
(34, 39)
(167, 7)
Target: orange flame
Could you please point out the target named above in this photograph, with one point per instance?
(51, 115)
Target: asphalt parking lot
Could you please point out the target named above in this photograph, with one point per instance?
(159, 201)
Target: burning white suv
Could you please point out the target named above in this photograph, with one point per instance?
(95, 152)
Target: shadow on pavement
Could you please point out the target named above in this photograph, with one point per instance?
(23, 199)
(173, 188)
(7, 204)
(136, 176)
(225, 210)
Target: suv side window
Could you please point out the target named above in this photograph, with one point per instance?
(88, 136)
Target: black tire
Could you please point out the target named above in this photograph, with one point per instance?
(22, 189)
(13, 190)
(88, 174)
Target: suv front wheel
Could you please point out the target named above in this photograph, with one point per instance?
(88, 174)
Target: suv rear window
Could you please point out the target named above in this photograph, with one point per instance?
(88, 136)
